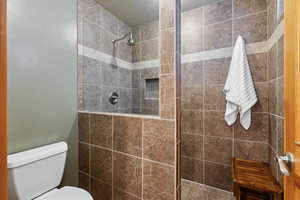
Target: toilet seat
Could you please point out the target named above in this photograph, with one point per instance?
(66, 193)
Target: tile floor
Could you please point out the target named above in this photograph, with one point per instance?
(195, 191)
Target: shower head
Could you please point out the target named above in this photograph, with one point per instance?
(130, 41)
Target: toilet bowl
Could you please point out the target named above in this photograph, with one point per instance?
(66, 193)
(36, 174)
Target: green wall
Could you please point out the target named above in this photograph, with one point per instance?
(42, 51)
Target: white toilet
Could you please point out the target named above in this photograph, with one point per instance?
(35, 174)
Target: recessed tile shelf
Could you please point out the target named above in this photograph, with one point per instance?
(152, 89)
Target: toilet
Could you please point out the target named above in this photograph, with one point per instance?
(36, 174)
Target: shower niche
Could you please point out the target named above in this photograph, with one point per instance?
(118, 54)
(152, 89)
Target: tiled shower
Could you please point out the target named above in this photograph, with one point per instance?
(127, 150)
(129, 70)
(208, 143)
(166, 137)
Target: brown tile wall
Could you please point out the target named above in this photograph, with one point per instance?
(97, 27)
(217, 24)
(146, 48)
(170, 95)
(208, 144)
(127, 157)
(147, 42)
(147, 106)
(96, 80)
(195, 191)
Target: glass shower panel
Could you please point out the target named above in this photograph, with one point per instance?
(209, 30)
(118, 56)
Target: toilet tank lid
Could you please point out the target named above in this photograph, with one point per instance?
(32, 155)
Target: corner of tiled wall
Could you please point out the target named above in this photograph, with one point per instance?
(276, 85)
(170, 71)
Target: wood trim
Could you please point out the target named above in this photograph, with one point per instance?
(292, 91)
(3, 101)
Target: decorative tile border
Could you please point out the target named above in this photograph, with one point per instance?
(253, 48)
(106, 58)
(277, 34)
(146, 64)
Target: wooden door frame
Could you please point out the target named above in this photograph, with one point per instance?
(292, 92)
(3, 101)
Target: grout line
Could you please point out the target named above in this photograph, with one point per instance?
(268, 23)
(213, 136)
(93, 177)
(232, 18)
(219, 111)
(278, 116)
(251, 141)
(216, 23)
(172, 28)
(126, 154)
(167, 74)
(251, 14)
(82, 172)
(205, 186)
(160, 163)
(124, 191)
(106, 183)
(273, 150)
(149, 40)
(175, 63)
(204, 160)
(203, 117)
(277, 78)
(228, 138)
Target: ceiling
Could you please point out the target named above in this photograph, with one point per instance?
(137, 12)
(190, 4)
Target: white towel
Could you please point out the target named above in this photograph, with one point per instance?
(239, 87)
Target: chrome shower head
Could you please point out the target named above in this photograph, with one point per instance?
(131, 41)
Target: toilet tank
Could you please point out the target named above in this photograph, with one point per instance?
(36, 171)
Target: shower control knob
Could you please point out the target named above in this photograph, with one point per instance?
(114, 98)
(285, 163)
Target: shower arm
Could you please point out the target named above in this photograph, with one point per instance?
(122, 38)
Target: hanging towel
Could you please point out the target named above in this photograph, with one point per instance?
(239, 87)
